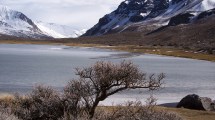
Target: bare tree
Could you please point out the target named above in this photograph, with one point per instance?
(104, 79)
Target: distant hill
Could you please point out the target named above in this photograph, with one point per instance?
(59, 31)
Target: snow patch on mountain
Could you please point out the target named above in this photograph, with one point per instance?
(204, 6)
(59, 31)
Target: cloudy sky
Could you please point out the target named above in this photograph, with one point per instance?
(76, 13)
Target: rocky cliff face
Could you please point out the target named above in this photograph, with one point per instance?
(207, 13)
(147, 13)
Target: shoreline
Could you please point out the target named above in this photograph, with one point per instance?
(7, 96)
(107, 104)
(166, 51)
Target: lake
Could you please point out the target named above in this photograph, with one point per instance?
(24, 66)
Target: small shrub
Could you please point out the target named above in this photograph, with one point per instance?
(7, 116)
(42, 104)
(5, 108)
(72, 105)
(5, 111)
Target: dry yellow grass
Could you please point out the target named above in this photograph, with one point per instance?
(191, 114)
(184, 113)
(6, 96)
(47, 42)
(165, 51)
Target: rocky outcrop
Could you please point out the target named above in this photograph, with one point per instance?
(206, 14)
(189, 17)
(180, 19)
(136, 18)
(159, 8)
(197, 103)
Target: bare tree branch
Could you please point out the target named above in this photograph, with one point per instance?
(104, 79)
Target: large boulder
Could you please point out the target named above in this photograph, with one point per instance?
(197, 103)
(191, 102)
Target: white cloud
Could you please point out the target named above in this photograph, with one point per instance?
(78, 13)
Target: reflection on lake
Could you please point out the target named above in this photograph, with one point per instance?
(24, 66)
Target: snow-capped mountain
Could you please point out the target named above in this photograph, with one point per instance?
(15, 23)
(59, 31)
(148, 14)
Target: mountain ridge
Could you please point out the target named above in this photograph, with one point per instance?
(59, 31)
(15, 23)
(144, 13)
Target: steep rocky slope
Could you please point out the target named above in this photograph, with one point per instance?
(149, 15)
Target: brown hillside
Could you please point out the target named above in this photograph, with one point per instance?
(198, 35)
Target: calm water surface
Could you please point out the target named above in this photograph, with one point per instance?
(25, 66)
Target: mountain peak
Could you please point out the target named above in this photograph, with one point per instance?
(15, 23)
(4, 12)
(154, 13)
(4, 8)
(8, 14)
